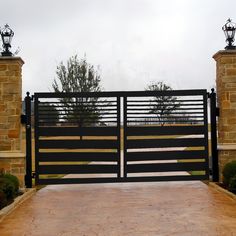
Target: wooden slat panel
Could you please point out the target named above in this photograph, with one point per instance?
(165, 130)
(165, 167)
(158, 143)
(76, 144)
(78, 131)
(165, 155)
(77, 169)
(79, 156)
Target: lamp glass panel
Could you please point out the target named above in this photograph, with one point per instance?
(7, 39)
(230, 33)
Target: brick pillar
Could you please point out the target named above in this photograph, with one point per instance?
(226, 96)
(12, 160)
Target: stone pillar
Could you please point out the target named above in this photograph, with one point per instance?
(226, 97)
(12, 160)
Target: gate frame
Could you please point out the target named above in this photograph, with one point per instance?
(119, 95)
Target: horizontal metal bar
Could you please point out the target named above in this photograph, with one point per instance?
(195, 92)
(121, 180)
(158, 143)
(166, 109)
(78, 110)
(77, 169)
(67, 113)
(166, 121)
(77, 156)
(154, 101)
(49, 107)
(63, 116)
(73, 122)
(74, 102)
(173, 113)
(166, 167)
(156, 104)
(76, 144)
(77, 180)
(165, 155)
(167, 178)
(153, 118)
(165, 130)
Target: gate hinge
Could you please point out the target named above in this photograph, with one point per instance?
(23, 119)
(33, 175)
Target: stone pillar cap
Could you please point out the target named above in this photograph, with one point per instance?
(18, 59)
(221, 53)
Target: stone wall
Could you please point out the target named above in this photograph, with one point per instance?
(226, 96)
(12, 160)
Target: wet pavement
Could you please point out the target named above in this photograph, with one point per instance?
(120, 209)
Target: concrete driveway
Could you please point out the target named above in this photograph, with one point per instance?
(134, 209)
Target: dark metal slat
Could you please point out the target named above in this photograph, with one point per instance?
(166, 155)
(166, 167)
(78, 156)
(120, 180)
(78, 131)
(196, 92)
(78, 144)
(77, 169)
(165, 130)
(159, 143)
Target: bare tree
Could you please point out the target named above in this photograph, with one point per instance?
(163, 105)
(78, 76)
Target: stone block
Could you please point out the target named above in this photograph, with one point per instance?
(233, 97)
(3, 67)
(231, 72)
(232, 135)
(226, 104)
(11, 88)
(3, 119)
(2, 108)
(13, 67)
(13, 118)
(13, 133)
(226, 60)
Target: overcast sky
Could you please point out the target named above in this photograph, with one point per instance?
(133, 42)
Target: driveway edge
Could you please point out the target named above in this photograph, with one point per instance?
(17, 201)
(220, 189)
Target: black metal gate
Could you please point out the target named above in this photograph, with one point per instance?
(119, 136)
(166, 136)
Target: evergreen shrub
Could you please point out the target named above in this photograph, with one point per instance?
(229, 171)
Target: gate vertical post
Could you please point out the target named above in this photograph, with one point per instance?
(118, 137)
(125, 137)
(214, 152)
(226, 99)
(28, 176)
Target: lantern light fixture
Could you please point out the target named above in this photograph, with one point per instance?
(6, 35)
(229, 31)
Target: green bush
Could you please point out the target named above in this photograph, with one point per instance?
(7, 187)
(14, 180)
(3, 200)
(229, 171)
(232, 183)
